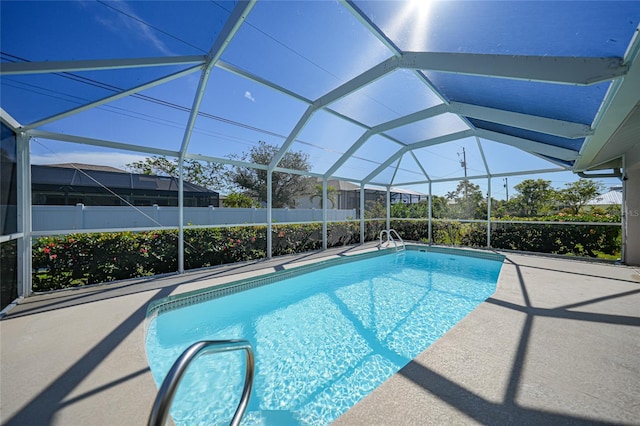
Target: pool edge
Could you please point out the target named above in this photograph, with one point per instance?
(177, 301)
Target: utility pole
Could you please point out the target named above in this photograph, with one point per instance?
(506, 185)
(465, 182)
(463, 162)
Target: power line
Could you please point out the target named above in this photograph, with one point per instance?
(161, 102)
(141, 21)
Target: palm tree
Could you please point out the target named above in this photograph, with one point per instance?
(332, 194)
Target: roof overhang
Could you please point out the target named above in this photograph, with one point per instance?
(617, 125)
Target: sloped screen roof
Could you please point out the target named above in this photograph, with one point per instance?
(373, 91)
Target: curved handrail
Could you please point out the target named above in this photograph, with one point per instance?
(384, 231)
(167, 390)
(390, 238)
(399, 237)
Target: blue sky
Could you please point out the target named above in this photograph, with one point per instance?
(302, 56)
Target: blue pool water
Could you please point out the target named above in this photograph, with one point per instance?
(322, 340)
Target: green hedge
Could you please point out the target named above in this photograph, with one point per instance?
(578, 240)
(444, 232)
(80, 259)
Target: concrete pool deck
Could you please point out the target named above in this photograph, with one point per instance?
(558, 343)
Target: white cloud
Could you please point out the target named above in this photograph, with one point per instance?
(129, 25)
(249, 96)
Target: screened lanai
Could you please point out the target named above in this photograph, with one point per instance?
(384, 93)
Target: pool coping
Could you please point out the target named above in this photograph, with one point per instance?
(177, 301)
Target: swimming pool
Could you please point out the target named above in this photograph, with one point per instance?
(323, 340)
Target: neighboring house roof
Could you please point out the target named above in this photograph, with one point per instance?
(62, 176)
(406, 191)
(614, 196)
(82, 166)
(342, 185)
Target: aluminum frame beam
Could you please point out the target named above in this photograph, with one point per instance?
(529, 145)
(385, 164)
(525, 121)
(417, 145)
(201, 157)
(8, 119)
(367, 77)
(549, 126)
(260, 80)
(22, 68)
(484, 159)
(263, 81)
(380, 128)
(474, 177)
(308, 113)
(411, 118)
(349, 153)
(63, 137)
(424, 172)
(380, 35)
(550, 69)
(156, 151)
(24, 219)
(231, 27)
(143, 149)
(356, 83)
(395, 171)
(112, 98)
(371, 26)
(442, 139)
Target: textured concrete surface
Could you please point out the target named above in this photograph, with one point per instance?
(558, 343)
(77, 357)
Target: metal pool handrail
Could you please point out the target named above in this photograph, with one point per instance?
(390, 238)
(163, 401)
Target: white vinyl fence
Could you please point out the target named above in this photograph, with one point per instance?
(52, 218)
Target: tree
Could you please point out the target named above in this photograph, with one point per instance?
(332, 194)
(207, 174)
(236, 199)
(438, 207)
(375, 209)
(450, 196)
(468, 201)
(533, 197)
(403, 210)
(499, 208)
(420, 210)
(413, 210)
(576, 194)
(286, 186)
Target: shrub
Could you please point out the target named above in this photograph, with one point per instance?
(80, 259)
(578, 240)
